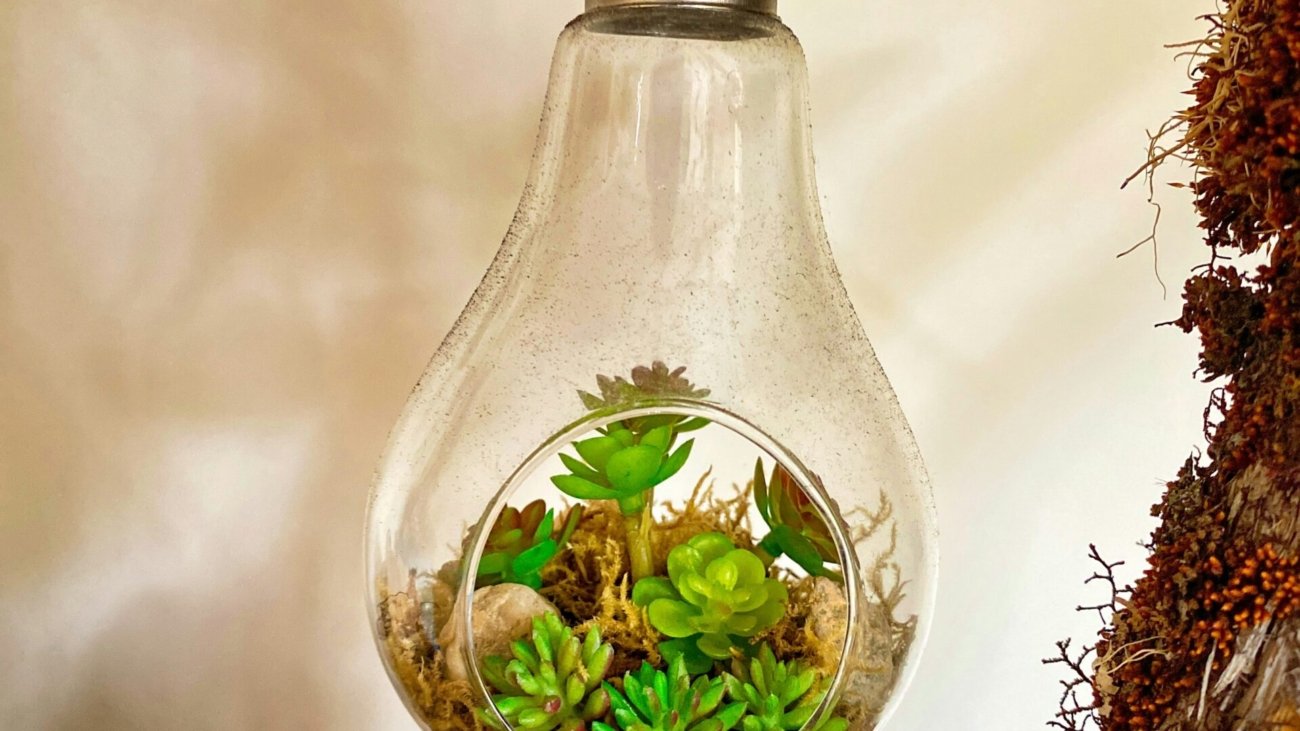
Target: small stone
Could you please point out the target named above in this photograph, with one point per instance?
(870, 674)
(871, 679)
(828, 615)
(501, 615)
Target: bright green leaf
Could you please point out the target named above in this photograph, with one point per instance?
(534, 558)
(651, 588)
(749, 568)
(658, 438)
(493, 563)
(631, 470)
(685, 650)
(692, 424)
(546, 527)
(803, 552)
(683, 560)
(581, 469)
(760, 492)
(597, 450)
(621, 433)
(674, 462)
(724, 572)
(673, 618)
(582, 489)
(717, 645)
(711, 546)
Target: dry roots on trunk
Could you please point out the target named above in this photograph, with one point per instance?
(1209, 636)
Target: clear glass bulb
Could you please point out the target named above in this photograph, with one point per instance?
(670, 220)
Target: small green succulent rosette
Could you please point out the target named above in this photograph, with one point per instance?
(553, 682)
(798, 528)
(655, 700)
(714, 597)
(779, 696)
(521, 542)
(620, 465)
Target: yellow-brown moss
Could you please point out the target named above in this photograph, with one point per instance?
(447, 705)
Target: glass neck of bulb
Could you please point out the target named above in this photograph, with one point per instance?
(688, 116)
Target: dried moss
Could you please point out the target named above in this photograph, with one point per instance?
(705, 510)
(575, 580)
(794, 635)
(447, 705)
(589, 585)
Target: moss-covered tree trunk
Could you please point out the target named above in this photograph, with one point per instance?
(1209, 636)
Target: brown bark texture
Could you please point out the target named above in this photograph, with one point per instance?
(1209, 636)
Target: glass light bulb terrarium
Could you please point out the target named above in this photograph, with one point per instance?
(655, 476)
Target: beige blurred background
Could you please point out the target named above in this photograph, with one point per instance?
(232, 233)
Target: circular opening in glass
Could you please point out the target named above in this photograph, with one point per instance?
(668, 549)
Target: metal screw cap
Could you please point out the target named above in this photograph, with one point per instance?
(767, 7)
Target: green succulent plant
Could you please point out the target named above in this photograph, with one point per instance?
(521, 542)
(714, 596)
(798, 529)
(779, 696)
(622, 465)
(553, 680)
(654, 700)
(630, 457)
